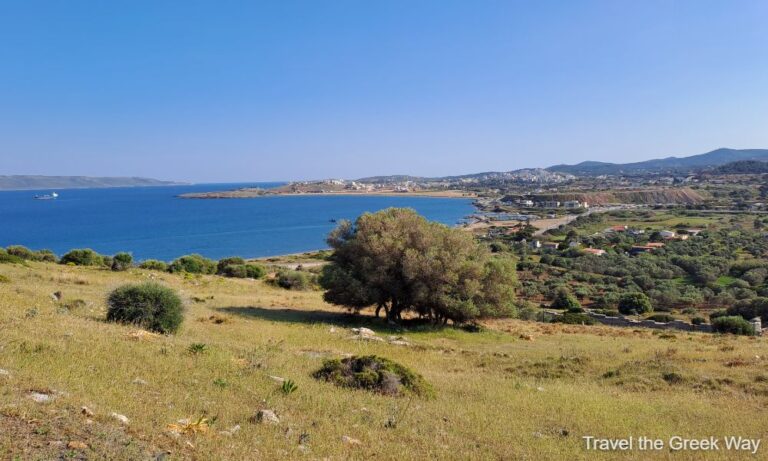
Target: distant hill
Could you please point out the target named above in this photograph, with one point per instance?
(30, 182)
(742, 167)
(670, 164)
(534, 175)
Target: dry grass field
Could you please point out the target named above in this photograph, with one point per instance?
(520, 390)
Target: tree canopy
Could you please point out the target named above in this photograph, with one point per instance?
(398, 261)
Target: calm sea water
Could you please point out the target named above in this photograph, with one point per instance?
(152, 223)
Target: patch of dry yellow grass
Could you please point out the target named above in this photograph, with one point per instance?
(518, 391)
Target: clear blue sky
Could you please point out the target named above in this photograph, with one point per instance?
(244, 90)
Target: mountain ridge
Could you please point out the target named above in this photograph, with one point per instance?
(33, 182)
(687, 164)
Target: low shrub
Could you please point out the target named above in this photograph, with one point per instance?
(47, 256)
(718, 313)
(732, 324)
(221, 266)
(82, 257)
(20, 251)
(571, 318)
(375, 374)
(250, 271)
(4, 279)
(122, 262)
(154, 265)
(661, 318)
(148, 305)
(9, 259)
(294, 280)
(193, 264)
(698, 320)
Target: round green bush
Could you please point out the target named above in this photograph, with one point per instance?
(294, 280)
(82, 257)
(634, 303)
(221, 266)
(661, 318)
(122, 262)
(375, 374)
(733, 324)
(154, 265)
(193, 264)
(47, 256)
(20, 251)
(147, 305)
(698, 320)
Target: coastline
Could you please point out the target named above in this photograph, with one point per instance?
(257, 193)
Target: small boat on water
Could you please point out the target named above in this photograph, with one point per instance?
(52, 196)
(331, 220)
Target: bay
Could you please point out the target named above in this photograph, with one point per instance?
(151, 222)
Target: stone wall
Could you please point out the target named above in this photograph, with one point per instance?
(628, 322)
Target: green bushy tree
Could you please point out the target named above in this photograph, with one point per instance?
(193, 264)
(122, 261)
(634, 303)
(154, 265)
(82, 257)
(398, 261)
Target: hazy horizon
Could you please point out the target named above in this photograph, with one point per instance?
(245, 92)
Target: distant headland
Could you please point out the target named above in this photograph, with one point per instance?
(33, 182)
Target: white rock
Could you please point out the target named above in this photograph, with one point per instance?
(40, 398)
(349, 440)
(266, 416)
(364, 331)
(4, 372)
(122, 418)
(277, 379)
(139, 381)
(86, 412)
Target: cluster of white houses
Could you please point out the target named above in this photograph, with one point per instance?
(527, 203)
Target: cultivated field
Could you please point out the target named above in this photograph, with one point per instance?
(519, 390)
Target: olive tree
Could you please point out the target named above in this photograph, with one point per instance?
(398, 261)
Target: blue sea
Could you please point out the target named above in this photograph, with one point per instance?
(151, 222)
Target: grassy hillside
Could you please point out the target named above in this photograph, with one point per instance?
(520, 390)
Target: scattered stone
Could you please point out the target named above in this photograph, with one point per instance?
(75, 445)
(399, 342)
(4, 372)
(40, 397)
(265, 417)
(277, 379)
(86, 412)
(122, 418)
(364, 331)
(56, 296)
(139, 381)
(332, 330)
(56, 443)
(540, 389)
(347, 440)
(526, 337)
